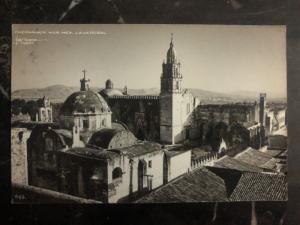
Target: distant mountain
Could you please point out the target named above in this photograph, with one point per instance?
(59, 93)
(55, 92)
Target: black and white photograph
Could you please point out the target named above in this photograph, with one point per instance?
(148, 113)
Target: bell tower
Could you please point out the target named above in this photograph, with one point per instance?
(171, 98)
(171, 77)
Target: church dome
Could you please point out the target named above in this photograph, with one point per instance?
(110, 92)
(84, 102)
(109, 84)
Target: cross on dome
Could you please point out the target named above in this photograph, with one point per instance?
(84, 82)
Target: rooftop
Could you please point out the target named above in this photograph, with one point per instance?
(98, 153)
(199, 185)
(103, 138)
(92, 153)
(271, 152)
(231, 163)
(253, 157)
(271, 164)
(260, 187)
(141, 148)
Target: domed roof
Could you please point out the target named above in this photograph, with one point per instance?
(109, 84)
(171, 54)
(110, 92)
(84, 101)
(112, 138)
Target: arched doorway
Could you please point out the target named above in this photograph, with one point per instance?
(142, 169)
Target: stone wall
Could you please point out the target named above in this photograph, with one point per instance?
(139, 113)
(43, 145)
(19, 171)
(228, 113)
(83, 177)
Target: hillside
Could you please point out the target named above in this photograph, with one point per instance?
(58, 93)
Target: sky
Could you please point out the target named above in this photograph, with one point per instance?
(223, 58)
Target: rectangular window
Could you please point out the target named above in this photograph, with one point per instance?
(85, 124)
(150, 164)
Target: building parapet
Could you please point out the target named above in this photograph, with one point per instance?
(206, 160)
(133, 97)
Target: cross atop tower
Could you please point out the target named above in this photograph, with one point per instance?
(83, 82)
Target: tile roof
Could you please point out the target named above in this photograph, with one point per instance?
(260, 187)
(271, 164)
(91, 153)
(230, 176)
(199, 185)
(271, 152)
(253, 157)
(141, 148)
(231, 163)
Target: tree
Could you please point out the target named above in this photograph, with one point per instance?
(31, 108)
(17, 105)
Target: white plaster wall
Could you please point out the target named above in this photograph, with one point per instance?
(179, 164)
(281, 118)
(123, 188)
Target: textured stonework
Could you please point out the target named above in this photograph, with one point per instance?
(19, 165)
(176, 105)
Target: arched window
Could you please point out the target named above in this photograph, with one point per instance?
(117, 173)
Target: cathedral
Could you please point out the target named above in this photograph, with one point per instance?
(114, 147)
(175, 116)
(165, 118)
